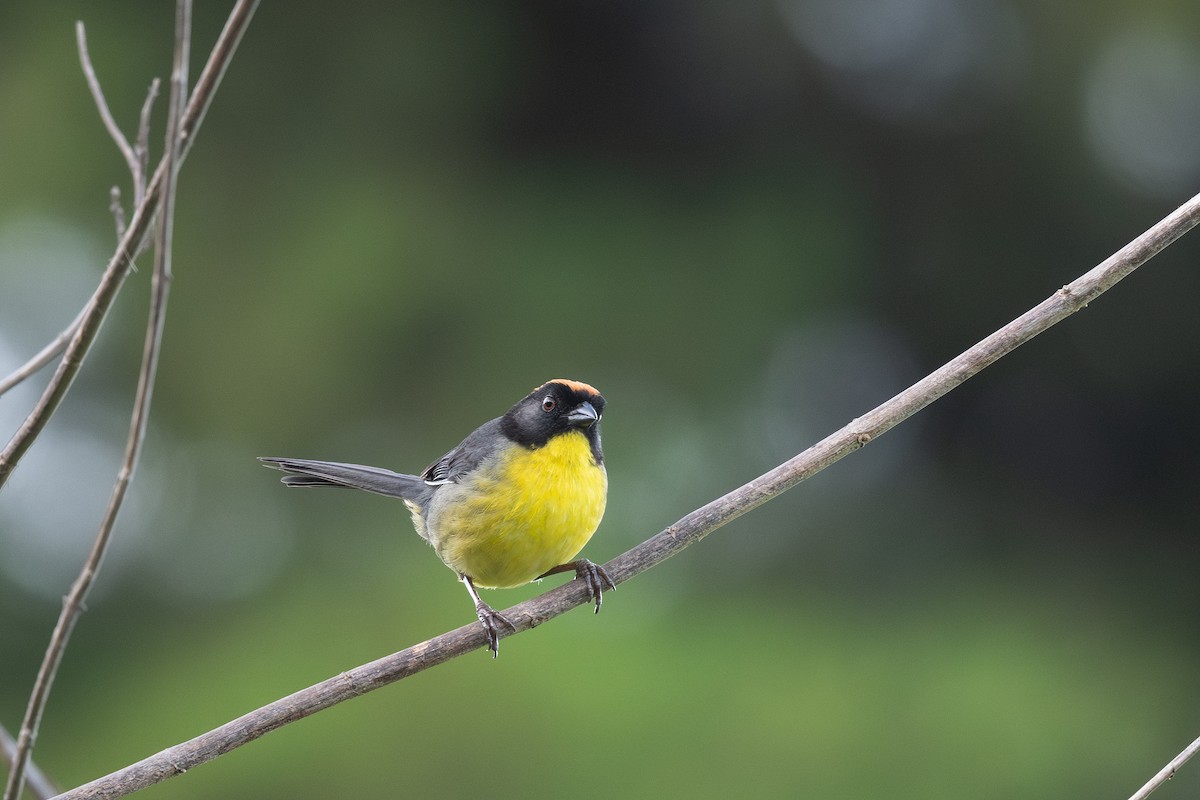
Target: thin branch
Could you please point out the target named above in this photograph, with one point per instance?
(687, 531)
(139, 227)
(35, 780)
(93, 83)
(44, 357)
(73, 605)
(141, 162)
(1166, 773)
(159, 291)
(213, 72)
(136, 159)
(141, 144)
(136, 156)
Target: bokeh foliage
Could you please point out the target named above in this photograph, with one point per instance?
(747, 223)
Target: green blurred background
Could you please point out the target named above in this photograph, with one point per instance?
(747, 223)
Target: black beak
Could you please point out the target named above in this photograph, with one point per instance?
(583, 415)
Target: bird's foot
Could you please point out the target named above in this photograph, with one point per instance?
(596, 579)
(591, 574)
(492, 621)
(489, 618)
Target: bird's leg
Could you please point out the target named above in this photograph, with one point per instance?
(488, 617)
(592, 574)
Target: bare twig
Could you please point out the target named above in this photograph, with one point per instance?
(139, 226)
(206, 86)
(141, 158)
(35, 780)
(1166, 773)
(114, 130)
(687, 531)
(160, 286)
(141, 144)
(136, 156)
(43, 358)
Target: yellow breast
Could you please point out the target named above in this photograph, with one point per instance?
(533, 510)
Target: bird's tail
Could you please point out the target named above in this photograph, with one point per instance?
(304, 472)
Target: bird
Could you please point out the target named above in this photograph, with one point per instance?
(516, 501)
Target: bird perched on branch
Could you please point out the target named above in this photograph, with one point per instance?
(516, 501)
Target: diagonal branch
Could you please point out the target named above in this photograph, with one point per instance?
(44, 356)
(206, 87)
(135, 234)
(137, 160)
(687, 531)
(160, 285)
(1166, 773)
(35, 780)
(114, 130)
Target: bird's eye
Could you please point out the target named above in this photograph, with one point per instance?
(548, 403)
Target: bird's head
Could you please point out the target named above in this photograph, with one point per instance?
(556, 407)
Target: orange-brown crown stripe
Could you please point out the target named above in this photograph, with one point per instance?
(577, 386)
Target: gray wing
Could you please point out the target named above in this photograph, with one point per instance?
(473, 450)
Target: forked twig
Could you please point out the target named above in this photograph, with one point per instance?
(138, 175)
(687, 531)
(136, 158)
(160, 285)
(201, 97)
(139, 227)
(114, 130)
(177, 140)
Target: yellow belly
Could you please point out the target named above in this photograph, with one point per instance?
(535, 510)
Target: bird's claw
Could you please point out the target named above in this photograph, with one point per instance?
(591, 574)
(596, 579)
(491, 621)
